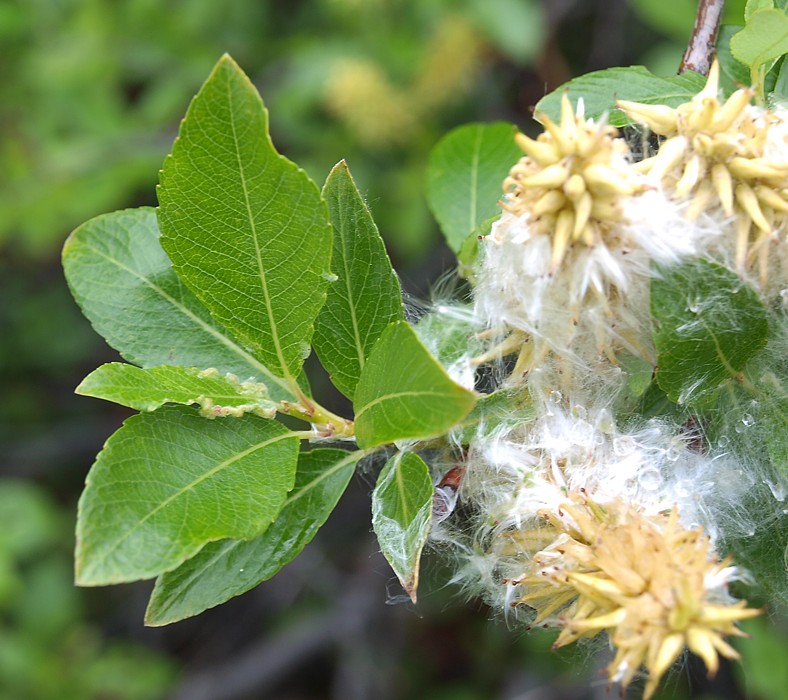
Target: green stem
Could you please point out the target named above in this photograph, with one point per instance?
(308, 410)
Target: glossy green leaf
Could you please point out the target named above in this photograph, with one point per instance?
(401, 515)
(366, 296)
(168, 482)
(764, 37)
(404, 393)
(246, 229)
(707, 325)
(148, 389)
(124, 283)
(600, 90)
(222, 570)
(465, 176)
(737, 73)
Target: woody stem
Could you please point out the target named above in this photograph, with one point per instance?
(700, 49)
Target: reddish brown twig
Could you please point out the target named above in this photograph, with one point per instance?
(700, 49)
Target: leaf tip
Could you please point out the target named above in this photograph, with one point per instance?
(341, 169)
(411, 588)
(227, 60)
(154, 618)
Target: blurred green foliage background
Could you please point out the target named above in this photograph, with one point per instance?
(91, 93)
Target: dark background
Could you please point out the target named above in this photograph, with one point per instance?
(91, 94)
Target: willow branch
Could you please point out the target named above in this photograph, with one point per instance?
(700, 49)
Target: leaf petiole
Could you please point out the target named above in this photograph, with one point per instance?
(327, 423)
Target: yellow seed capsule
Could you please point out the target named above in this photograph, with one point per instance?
(712, 86)
(563, 230)
(749, 202)
(699, 642)
(700, 119)
(568, 120)
(602, 179)
(668, 652)
(727, 613)
(729, 112)
(601, 622)
(742, 226)
(650, 619)
(753, 168)
(605, 210)
(659, 118)
(723, 184)
(574, 187)
(725, 649)
(582, 214)
(704, 144)
(549, 203)
(770, 198)
(565, 142)
(700, 201)
(670, 154)
(551, 176)
(543, 154)
(693, 172)
(588, 235)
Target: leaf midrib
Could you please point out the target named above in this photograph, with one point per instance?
(351, 300)
(205, 326)
(259, 259)
(230, 545)
(398, 395)
(474, 181)
(188, 487)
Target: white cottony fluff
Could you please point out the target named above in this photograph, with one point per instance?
(513, 473)
(596, 301)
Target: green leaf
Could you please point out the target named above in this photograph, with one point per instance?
(762, 671)
(468, 253)
(125, 285)
(222, 570)
(366, 296)
(465, 176)
(501, 408)
(245, 228)
(449, 332)
(737, 73)
(707, 325)
(752, 418)
(764, 37)
(148, 389)
(404, 393)
(401, 515)
(763, 552)
(600, 90)
(755, 6)
(779, 94)
(168, 482)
